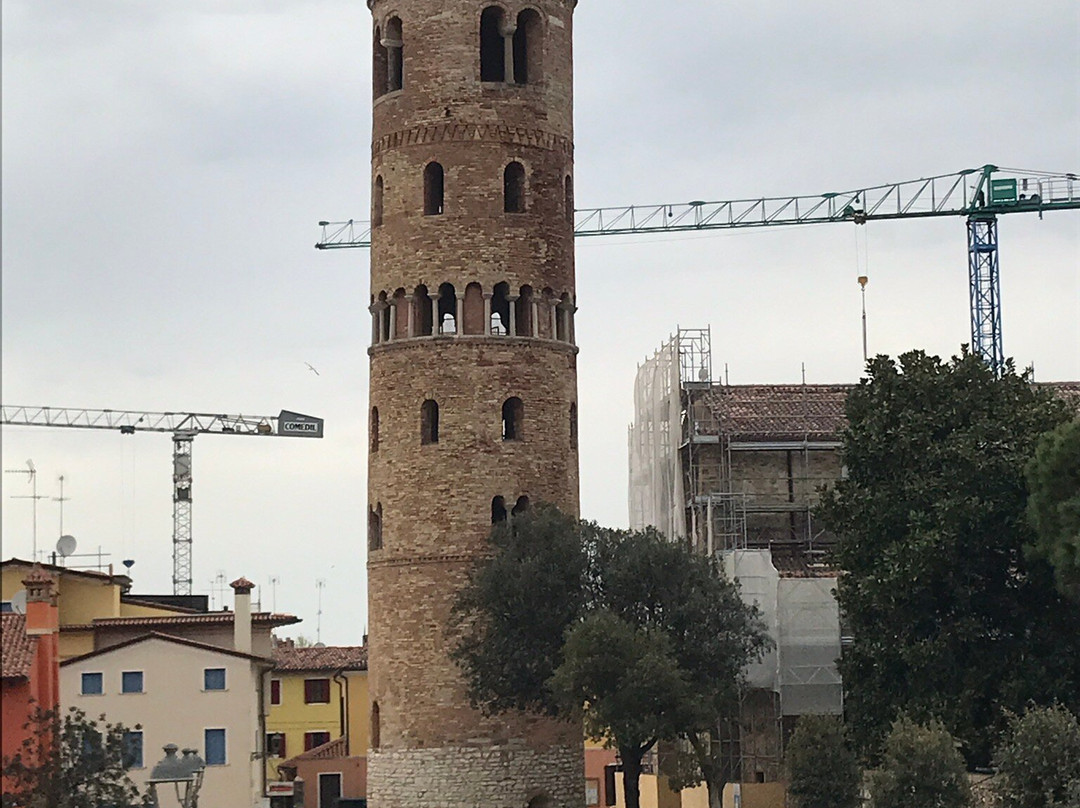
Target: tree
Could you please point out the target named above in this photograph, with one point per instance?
(949, 618)
(626, 684)
(1039, 760)
(69, 762)
(920, 767)
(553, 584)
(823, 771)
(1053, 476)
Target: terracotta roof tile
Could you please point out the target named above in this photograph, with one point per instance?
(329, 750)
(17, 649)
(287, 657)
(779, 412)
(213, 618)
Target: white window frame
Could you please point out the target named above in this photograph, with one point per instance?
(142, 682)
(318, 786)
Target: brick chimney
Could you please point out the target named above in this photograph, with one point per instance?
(242, 615)
(43, 621)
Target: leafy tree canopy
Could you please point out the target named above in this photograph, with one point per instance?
(69, 762)
(1038, 760)
(920, 767)
(823, 771)
(1053, 476)
(533, 631)
(948, 616)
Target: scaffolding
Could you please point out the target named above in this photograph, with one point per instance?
(738, 470)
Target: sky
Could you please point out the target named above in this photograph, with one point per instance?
(165, 165)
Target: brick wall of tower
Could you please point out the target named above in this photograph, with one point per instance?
(435, 498)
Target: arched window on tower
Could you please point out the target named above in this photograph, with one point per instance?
(523, 312)
(384, 318)
(492, 47)
(377, 202)
(374, 429)
(573, 425)
(498, 510)
(513, 416)
(500, 309)
(401, 314)
(421, 312)
(447, 309)
(378, 65)
(528, 48)
(564, 319)
(514, 188)
(520, 506)
(429, 422)
(433, 189)
(568, 198)
(376, 728)
(375, 527)
(395, 55)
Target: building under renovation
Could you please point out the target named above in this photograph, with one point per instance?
(737, 469)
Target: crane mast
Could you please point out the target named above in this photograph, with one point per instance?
(184, 426)
(979, 194)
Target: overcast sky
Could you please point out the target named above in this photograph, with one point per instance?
(165, 164)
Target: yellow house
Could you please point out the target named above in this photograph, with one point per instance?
(318, 695)
(85, 596)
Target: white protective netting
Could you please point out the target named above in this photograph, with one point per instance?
(656, 485)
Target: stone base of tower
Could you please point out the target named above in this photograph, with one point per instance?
(505, 776)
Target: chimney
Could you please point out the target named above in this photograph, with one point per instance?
(242, 615)
(43, 622)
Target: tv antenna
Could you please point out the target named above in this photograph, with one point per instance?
(61, 499)
(274, 581)
(30, 472)
(320, 585)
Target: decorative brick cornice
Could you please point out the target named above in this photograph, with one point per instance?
(418, 560)
(471, 133)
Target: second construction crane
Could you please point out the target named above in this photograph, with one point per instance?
(184, 426)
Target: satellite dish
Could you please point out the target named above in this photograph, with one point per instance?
(316, 645)
(66, 545)
(18, 602)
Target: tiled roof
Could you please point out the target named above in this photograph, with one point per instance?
(287, 657)
(329, 750)
(17, 649)
(1069, 392)
(122, 580)
(156, 635)
(213, 618)
(779, 412)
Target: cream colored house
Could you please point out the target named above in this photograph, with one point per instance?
(184, 692)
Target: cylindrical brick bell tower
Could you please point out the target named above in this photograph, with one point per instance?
(473, 374)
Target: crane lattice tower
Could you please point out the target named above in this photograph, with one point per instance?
(473, 373)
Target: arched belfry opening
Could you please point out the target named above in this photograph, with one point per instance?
(500, 309)
(395, 55)
(498, 510)
(374, 429)
(513, 417)
(528, 48)
(520, 506)
(492, 45)
(447, 309)
(434, 189)
(429, 422)
(514, 188)
(523, 310)
(378, 65)
(375, 527)
(420, 312)
(473, 310)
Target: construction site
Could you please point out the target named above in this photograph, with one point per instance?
(737, 470)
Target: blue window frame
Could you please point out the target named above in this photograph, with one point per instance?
(214, 679)
(92, 684)
(133, 749)
(131, 682)
(214, 743)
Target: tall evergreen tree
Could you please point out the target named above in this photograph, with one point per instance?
(948, 616)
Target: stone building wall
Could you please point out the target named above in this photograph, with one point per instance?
(472, 306)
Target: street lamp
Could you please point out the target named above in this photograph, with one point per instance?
(186, 772)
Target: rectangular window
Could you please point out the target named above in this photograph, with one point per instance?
(214, 679)
(316, 691)
(214, 743)
(133, 750)
(92, 684)
(131, 682)
(313, 739)
(275, 691)
(275, 744)
(592, 791)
